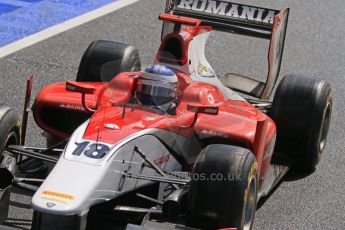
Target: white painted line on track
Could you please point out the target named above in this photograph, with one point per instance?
(67, 25)
(16, 3)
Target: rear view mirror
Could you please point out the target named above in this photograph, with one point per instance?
(82, 88)
(197, 109)
(210, 110)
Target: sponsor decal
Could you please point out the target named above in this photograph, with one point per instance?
(53, 199)
(211, 111)
(60, 195)
(253, 168)
(91, 150)
(227, 9)
(50, 205)
(96, 151)
(203, 71)
(210, 99)
(213, 133)
(72, 107)
(162, 160)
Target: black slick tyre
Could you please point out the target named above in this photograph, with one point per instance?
(302, 108)
(223, 189)
(103, 60)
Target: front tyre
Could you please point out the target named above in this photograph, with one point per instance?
(9, 135)
(223, 188)
(9, 128)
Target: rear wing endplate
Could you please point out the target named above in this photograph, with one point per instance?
(239, 19)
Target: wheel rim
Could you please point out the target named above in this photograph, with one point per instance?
(325, 127)
(12, 139)
(250, 205)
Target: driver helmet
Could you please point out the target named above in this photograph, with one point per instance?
(157, 86)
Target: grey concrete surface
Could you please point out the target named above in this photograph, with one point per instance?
(315, 46)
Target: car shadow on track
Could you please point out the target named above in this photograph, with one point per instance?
(290, 176)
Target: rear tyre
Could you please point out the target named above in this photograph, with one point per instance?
(223, 189)
(103, 60)
(9, 135)
(302, 109)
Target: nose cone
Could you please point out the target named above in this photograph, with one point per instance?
(71, 188)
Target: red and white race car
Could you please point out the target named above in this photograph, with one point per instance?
(202, 164)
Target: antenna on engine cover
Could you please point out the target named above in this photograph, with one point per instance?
(124, 110)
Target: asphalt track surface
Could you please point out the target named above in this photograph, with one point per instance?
(314, 46)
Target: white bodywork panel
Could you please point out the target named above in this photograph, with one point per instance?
(199, 69)
(76, 183)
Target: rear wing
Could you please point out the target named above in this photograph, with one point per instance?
(239, 19)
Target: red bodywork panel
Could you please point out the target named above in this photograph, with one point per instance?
(184, 37)
(178, 19)
(237, 122)
(59, 112)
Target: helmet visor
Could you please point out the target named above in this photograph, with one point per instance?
(161, 90)
(153, 100)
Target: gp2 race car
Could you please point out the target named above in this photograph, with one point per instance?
(110, 161)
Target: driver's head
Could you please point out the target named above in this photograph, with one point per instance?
(157, 86)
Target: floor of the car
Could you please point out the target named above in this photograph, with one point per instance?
(280, 165)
